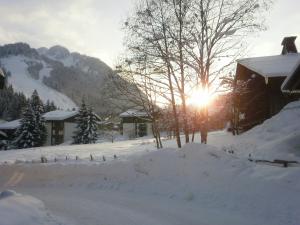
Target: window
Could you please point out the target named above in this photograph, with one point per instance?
(57, 135)
(142, 129)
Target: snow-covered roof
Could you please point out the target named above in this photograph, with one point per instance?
(59, 115)
(50, 116)
(272, 66)
(10, 125)
(291, 82)
(2, 134)
(133, 113)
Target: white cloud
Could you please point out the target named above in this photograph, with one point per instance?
(282, 20)
(93, 27)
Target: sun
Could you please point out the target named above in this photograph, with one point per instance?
(200, 98)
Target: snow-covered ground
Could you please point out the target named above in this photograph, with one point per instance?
(122, 149)
(198, 184)
(18, 209)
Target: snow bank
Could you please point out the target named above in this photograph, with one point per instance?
(197, 184)
(277, 138)
(18, 209)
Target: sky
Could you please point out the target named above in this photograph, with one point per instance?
(93, 27)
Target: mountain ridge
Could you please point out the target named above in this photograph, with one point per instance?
(61, 76)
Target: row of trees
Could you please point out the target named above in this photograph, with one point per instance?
(32, 131)
(12, 104)
(177, 46)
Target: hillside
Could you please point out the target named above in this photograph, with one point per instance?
(60, 76)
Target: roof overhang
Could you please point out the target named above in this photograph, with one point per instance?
(291, 84)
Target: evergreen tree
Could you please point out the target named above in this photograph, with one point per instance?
(26, 134)
(12, 104)
(50, 106)
(92, 126)
(38, 110)
(32, 132)
(81, 135)
(47, 106)
(86, 130)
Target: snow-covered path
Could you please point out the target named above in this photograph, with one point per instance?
(196, 185)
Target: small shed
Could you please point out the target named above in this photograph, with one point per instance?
(60, 126)
(135, 123)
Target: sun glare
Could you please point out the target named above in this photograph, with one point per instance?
(200, 98)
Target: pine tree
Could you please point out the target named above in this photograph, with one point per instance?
(32, 132)
(81, 136)
(86, 130)
(92, 126)
(25, 135)
(38, 110)
(12, 104)
(50, 106)
(47, 106)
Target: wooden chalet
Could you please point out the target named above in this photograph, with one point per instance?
(258, 92)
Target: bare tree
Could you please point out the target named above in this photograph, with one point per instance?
(218, 34)
(148, 35)
(137, 85)
(188, 43)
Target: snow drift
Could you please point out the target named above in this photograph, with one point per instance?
(18, 209)
(276, 138)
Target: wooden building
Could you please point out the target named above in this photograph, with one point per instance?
(135, 123)
(257, 86)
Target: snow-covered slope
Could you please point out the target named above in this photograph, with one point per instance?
(276, 138)
(23, 82)
(62, 76)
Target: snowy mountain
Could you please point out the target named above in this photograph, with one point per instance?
(59, 75)
(23, 82)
